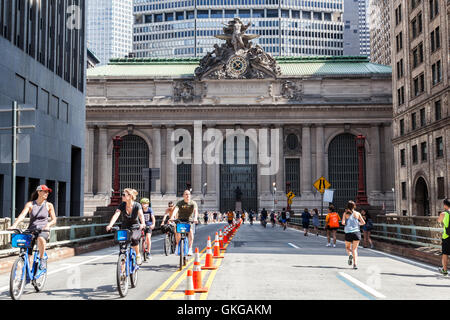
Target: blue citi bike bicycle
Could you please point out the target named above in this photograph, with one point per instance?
(127, 267)
(21, 272)
(183, 229)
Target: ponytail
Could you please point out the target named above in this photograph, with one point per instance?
(34, 196)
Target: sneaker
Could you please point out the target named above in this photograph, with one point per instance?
(371, 246)
(443, 272)
(328, 245)
(139, 259)
(355, 267)
(350, 258)
(43, 264)
(149, 256)
(334, 246)
(190, 252)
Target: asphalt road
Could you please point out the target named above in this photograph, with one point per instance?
(259, 264)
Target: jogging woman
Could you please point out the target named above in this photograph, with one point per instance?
(352, 220)
(131, 212)
(367, 228)
(39, 209)
(150, 223)
(332, 224)
(306, 216)
(316, 221)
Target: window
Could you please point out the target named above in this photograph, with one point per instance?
(414, 154)
(419, 83)
(184, 176)
(400, 69)
(413, 121)
(179, 15)
(402, 158)
(398, 14)
(272, 13)
(414, 4)
(437, 110)
(436, 72)
(401, 95)
(402, 127)
(423, 118)
(434, 8)
(439, 147)
(404, 190)
(435, 39)
(399, 41)
(292, 172)
(423, 151)
(440, 188)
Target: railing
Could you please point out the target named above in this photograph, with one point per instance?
(414, 231)
(64, 234)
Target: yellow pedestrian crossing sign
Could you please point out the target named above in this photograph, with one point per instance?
(290, 195)
(321, 184)
(289, 201)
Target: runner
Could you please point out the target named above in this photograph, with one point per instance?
(332, 225)
(187, 211)
(444, 218)
(131, 212)
(39, 210)
(352, 221)
(264, 217)
(272, 218)
(150, 223)
(250, 217)
(215, 217)
(284, 218)
(306, 216)
(316, 221)
(367, 228)
(205, 217)
(230, 217)
(243, 217)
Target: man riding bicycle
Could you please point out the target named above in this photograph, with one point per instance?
(150, 223)
(187, 212)
(167, 226)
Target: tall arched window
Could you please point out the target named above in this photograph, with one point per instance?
(343, 169)
(134, 156)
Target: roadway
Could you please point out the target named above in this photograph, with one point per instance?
(259, 264)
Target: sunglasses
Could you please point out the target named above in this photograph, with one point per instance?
(124, 194)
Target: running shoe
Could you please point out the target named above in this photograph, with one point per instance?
(43, 264)
(443, 272)
(355, 267)
(328, 245)
(190, 252)
(149, 256)
(334, 246)
(371, 246)
(139, 259)
(350, 258)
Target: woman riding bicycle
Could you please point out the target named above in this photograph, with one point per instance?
(165, 225)
(39, 209)
(131, 212)
(150, 222)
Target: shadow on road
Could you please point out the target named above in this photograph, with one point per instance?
(321, 267)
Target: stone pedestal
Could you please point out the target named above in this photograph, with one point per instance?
(238, 206)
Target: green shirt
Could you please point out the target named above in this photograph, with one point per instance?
(445, 222)
(186, 210)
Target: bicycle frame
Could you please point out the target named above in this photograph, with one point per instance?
(33, 272)
(130, 255)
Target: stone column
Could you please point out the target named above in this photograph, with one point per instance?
(320, 154)
(171, 166)
(265, 179)
(103, 175)
(211, 171)
(198, 158)
(373, 171)
(157, 156)
(306, 181)
(280, 173)
(89, 160)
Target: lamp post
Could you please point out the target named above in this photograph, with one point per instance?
(204, 193)
(274, 191)
(361, 198)
(395, 201)
(116, 199)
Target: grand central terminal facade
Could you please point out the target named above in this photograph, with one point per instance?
(239, 118)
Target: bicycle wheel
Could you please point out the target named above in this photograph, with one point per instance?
(122, 279)
(173, 243)
(17, 279)
(39, 283)
(142, 248)
(167, 244)
(181, 251)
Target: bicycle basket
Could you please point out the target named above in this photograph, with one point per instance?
(21, 240)
(183, 227)
(122, 235)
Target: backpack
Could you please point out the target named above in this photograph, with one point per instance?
(333, 222)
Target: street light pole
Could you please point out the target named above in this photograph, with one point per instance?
(13, 162)
(274, 193)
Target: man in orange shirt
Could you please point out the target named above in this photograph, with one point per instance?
(332, 224)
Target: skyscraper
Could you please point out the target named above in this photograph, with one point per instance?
(356, 28)
(110, 28)
(173, 28)
(380, 31)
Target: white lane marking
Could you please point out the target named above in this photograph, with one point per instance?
(363, 286)
(293, 245)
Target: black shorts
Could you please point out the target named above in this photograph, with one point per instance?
(135, 236)
(446, 246)
(353, 236)
(43, 234)
(331, 229)
(305, 225)
(230, 221)
(148, 229)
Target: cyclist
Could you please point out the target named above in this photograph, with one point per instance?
(272, 218)
(187, 211)
(150, 223)
(39, 209)
(230, 217)
(165, 225)
(131, 212)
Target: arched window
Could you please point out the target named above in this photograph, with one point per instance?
(343, 169)
(134, 156)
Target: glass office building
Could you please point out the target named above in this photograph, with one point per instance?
(164, 28)
(110, 28)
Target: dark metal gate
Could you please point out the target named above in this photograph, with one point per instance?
(343, 169)
(134, 156)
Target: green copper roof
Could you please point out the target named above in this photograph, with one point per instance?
(290, 67)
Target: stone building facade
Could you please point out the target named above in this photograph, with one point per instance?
(420, 51)
(380, 31)
(312, 110)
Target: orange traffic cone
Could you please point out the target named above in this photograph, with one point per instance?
(221, 241)
(209, 257)
(217, 248)
(189, 293)
(225, 236)
(197, 274)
